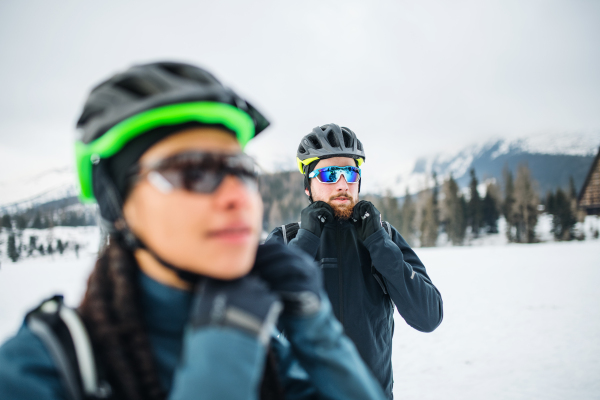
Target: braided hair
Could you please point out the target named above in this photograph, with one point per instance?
(112, 312)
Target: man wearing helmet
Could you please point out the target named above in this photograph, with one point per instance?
(367, 266)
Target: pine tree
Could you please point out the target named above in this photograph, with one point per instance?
(37, 222)
(454, 212)
(11, 249)
(6, 222)
(563, 218)
(550, 203)
(525, 208)
(490, 209)
(390, 210)
(50, 249)
(509, 201)
(429, 225)
(32, 245)
(474, 206)
(60, 246)
(408, 214)
(20, 222)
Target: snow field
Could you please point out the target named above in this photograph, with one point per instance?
(520, 322)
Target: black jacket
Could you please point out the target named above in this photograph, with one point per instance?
(363, 279)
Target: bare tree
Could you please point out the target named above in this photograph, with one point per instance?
(525, 208)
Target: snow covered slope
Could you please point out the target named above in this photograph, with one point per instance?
(38, 188)
(552, 158)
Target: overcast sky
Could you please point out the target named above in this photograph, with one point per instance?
(409, 77)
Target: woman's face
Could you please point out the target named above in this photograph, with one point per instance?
(212, 234)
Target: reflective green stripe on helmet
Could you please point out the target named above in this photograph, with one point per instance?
(122, 133)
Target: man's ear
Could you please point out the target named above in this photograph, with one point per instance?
(306, 191)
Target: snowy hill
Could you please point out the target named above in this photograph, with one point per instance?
(552, 158)
(40, 188)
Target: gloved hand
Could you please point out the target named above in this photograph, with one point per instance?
(367, 219)
(245, 304)
(292, 275)
(314, 216)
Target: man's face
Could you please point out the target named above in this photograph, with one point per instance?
(341, 196)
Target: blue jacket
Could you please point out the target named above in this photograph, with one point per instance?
(362, 280)
(318, 361)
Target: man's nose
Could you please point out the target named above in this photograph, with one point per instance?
(341, 185)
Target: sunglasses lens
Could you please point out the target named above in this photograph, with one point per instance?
(332, 174)
(329, 175)
(204, 172)
(200, 180)
(351, 174)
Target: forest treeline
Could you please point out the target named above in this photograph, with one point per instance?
(443, 209)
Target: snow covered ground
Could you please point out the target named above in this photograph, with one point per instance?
(521, 321)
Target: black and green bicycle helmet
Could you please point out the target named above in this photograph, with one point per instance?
(152, 96)
(131, 111)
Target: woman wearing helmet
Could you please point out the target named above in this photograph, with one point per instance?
(181, 304)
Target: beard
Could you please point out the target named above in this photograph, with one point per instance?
(342, 211)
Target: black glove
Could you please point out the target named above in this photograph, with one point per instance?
(246, 304)
(314, 217)
(292, 275)
(367, 219)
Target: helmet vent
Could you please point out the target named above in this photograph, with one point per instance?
(314, 142)
(359, 145)
(139, 88)
(87, 114)
(183, 71)
(348, 142)
(332, 139)
(301, 150)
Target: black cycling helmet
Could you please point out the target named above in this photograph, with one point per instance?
(328, 141)
(130, 112)
(151, 96)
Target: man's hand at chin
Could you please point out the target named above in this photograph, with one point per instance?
(366, 218)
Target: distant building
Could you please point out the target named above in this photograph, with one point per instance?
(589, 197)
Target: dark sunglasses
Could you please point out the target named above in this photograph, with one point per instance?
(198, 172)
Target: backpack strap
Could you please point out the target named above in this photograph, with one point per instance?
(290, 231)
(66, 338)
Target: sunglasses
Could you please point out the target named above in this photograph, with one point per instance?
(198, 172)
(333, 174)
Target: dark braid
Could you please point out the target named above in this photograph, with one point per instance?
(112, 312)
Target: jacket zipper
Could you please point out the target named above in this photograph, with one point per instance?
(340, 278)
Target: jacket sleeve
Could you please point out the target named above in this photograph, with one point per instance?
(219, 363)
(27, 371)
(328, 356)
(418, 301)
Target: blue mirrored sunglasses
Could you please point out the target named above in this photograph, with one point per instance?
(332, 174)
